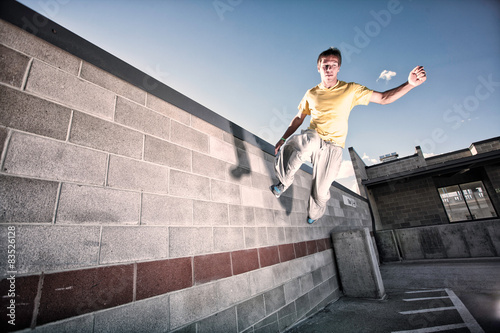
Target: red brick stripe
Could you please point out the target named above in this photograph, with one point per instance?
(72, 293)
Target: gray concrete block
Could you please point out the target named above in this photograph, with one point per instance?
(233, 290)
(261, 280)
(151, 315)
(110, 82)
(276, 235)
(282, 273)
(85, 204)
(189, 137)
(125, 244)
(166, 210)
(208, 166)
(224, 321)
(250, 312)
(141, 118)
(303, 305)
(358, 266)
(69, 90)
(239, 215)
(223, 151)
(168, 109)
(14, 65)
(187, 185)
(252, 197)
(228, 239)
(264, 217)
(210, 213)
(53, 248)
(166, 153)
(207, 128)
(80, 324)
(137, 175)
(4, 133)
(33, 46)
(193, 304)
(43, 158)
(306, 283)
(32, 114)
(188, 241)
(255, 237)
(225, 192)
(292, 290)
(96, 133)
(27, 200)
(287, 317)
(274, 299)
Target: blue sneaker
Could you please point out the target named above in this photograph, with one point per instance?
(277, 189)
(310, 220)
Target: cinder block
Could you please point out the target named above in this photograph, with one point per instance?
(223, 151)
(239, 215)
(168, 109)
(187, 241)
(264, 217)
(287, 252)
(275, 235)
(110, 82)
(207, 128)
(51, 248)
(141, 118)
(225, 192)
(189, 137)
(80, 324)
(252, 197)
(228, 239)
(125, 244)
(14, 65)
(208, 166)
(292, 290)
(268, 324)
(245, 261)
(261, 280)
(33, 46)
(274, 299)
(233, 290)
(69, 90)
(4, 133)
(166, 153)
(96, 133)
(250, 312)
(303, 305)
(85, 204)
(43, 158)
(255, 237)
(27, 200)
(238, 175)
(287, 317)
(269, 256)
(193, 304)
(187, 185)
(151, 315)
(212, 267)
(306, 283)
(72, 293)
(136, 175)
(210, 213)
(224, 321)
(27, 113)
(163, 276)
(166, 210)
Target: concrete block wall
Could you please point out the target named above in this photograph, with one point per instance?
(399, 165)
(130, 214)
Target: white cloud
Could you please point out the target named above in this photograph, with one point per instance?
(369, 159)
(346, 170)
(386, 75)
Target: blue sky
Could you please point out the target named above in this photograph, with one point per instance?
(251, 61)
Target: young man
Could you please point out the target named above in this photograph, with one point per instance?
(329, 105)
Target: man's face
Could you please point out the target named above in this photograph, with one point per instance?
(329, 67)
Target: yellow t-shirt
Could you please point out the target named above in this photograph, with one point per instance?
(329, 108)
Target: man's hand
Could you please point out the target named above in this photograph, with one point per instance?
(278, 146)
(417, 76)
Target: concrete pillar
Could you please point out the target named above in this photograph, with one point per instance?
(357, 264)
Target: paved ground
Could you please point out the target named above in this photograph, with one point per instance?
(423, 296)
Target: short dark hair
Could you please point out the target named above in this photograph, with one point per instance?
(331, 51)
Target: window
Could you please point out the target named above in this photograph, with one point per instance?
(467, 201)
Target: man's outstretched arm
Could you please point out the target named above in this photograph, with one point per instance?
(294, 124)
(417, 77)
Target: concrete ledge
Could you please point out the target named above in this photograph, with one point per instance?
(357, 263)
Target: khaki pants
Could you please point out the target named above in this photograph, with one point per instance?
(326, 158)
